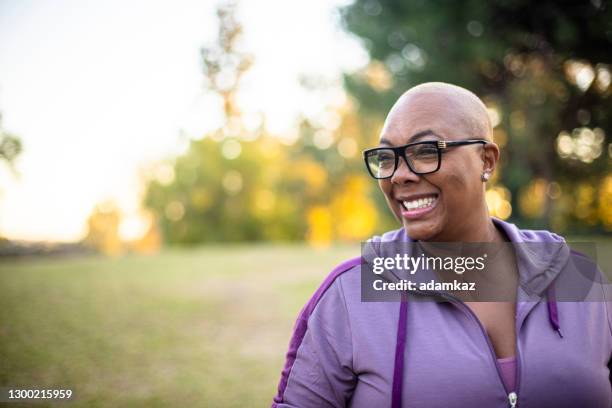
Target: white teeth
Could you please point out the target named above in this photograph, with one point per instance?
(419, 203)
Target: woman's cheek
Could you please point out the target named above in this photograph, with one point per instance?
(385, 187)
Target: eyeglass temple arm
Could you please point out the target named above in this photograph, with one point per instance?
(443, 144)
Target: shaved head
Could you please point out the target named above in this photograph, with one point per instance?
(462, 108)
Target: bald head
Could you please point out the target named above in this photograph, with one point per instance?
(461, 109)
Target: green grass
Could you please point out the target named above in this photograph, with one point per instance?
(193, 327)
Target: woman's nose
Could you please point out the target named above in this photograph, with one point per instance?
(403, 174)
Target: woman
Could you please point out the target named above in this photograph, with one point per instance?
(537, 353)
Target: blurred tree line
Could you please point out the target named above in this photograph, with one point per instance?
(542, 69)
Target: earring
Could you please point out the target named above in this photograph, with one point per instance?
(485, 176)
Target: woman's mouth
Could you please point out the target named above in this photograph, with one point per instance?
(417, 207)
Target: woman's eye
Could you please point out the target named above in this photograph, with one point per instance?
(425, 151)
(385, 160)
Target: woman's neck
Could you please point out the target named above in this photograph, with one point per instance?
(483, 230)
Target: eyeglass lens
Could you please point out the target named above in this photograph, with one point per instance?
(422, 158)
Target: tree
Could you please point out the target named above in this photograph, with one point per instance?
(240, 184)
(10, 146)
(542, 67)
(223, 188)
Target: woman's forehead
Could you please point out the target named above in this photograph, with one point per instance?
(431, 116)
(399, 139)
(409, 129)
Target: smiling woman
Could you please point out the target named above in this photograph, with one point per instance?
(436, 155)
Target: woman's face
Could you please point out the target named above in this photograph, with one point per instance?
(441, 205)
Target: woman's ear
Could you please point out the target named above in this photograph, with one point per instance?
(490, 156)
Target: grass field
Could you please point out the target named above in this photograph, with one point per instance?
(195, 327)
(192, 327)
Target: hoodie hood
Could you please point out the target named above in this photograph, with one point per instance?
(540, 256)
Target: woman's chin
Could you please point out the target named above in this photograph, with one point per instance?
(418, 231)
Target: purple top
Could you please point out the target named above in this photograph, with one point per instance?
(508, 371)
(349, 353)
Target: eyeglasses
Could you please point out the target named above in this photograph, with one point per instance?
(421, 157)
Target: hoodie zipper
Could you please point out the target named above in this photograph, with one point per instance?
(513, 395)
(512, 398)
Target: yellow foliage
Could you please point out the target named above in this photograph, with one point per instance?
(319, 226)
(312, 173)
(200, 199)
(265, 201)
(103, 229)
(605, 202)
(585, 195)
(350, 125)
(270, 148)
(532, 198)
(354, 213)
(350, 216)
(498, 202)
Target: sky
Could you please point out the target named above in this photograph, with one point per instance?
(100, 90)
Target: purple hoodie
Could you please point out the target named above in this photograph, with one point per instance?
(345, 352)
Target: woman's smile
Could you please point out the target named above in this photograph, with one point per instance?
(416, 206)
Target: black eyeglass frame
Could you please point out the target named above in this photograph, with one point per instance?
(398, 151)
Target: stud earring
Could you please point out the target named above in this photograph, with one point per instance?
(485, 176)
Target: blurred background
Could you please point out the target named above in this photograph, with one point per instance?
(176, 178)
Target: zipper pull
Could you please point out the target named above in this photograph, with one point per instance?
(512, 398)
